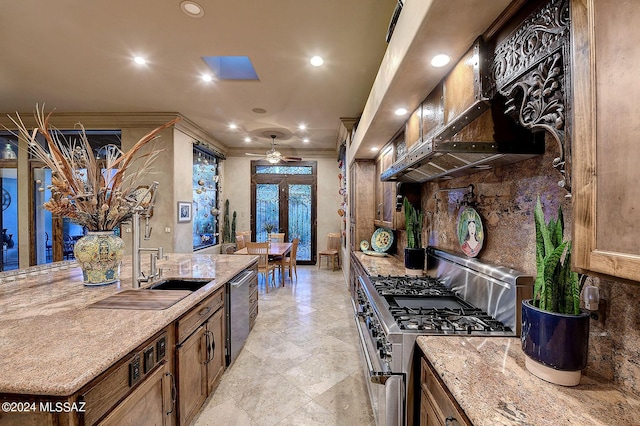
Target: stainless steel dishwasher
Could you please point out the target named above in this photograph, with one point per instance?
(237, 295)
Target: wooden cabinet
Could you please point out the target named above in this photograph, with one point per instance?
(215, 345)
(192, 374)
(200, 354)
(385, 192)
(605, 172)
(143, 381)
(413, 129)
(253, 300)
(432, 113)
(361, 208)
(150, 404)
(437, 405)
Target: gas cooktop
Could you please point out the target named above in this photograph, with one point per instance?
(424, 304)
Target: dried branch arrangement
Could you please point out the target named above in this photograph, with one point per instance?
(94, 194)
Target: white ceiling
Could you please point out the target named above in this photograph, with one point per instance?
(76, 56)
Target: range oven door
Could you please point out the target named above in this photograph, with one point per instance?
(386, 389)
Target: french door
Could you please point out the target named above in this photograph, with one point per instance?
(283, 199)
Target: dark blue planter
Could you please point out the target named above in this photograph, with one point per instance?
(555, 340)
(414, 258)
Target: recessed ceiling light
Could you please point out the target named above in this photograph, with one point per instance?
(259, 110)
(401, 111)
(233, 126)
(139, 60)
(192, 9)
(316, 61)
(302, 126)
(440, 60)
(305, 140)
(206, 77)
(375, 148)
(247, 139)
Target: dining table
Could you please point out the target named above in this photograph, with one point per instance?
(276, 250)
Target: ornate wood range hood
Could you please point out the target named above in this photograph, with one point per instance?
(495, 105)
(463, 127)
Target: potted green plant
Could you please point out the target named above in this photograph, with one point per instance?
(414, 252)
(555, 333)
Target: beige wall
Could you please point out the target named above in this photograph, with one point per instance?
(182, 168)
(237, 188)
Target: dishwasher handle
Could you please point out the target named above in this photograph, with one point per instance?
(242, 278)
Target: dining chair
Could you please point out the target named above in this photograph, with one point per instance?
(246, 235)
(67, 246)
(332, 251)
(290, 260)
(240, 241)
(276, 237)
(264, 265)
(48, 246)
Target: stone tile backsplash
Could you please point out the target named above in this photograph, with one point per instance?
(505, 199)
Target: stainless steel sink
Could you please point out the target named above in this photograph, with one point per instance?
(179, 284)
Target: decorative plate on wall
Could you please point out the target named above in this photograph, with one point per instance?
(381, 240)
(470, 232)
(364, 245)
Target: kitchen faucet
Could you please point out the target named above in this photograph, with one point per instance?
(156, 253)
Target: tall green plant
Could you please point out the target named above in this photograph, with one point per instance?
(556, 288)
(413, 224)
(233, 226)
(226, 232)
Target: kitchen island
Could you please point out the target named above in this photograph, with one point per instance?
(53, 343)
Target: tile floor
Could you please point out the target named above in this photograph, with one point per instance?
(301, 363)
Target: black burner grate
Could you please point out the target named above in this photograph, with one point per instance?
(425, 304)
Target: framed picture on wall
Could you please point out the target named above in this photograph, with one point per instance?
(184, 211)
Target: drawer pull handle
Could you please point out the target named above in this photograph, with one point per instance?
(174, 392)
(206, 338)
(205, 311)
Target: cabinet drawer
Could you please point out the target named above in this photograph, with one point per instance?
(203, 310)
(119, 381)
(441, 400)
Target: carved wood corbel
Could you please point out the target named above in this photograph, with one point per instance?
(530, 69)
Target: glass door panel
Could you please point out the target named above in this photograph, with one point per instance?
(299, 218)
(43, 243)
(9, 218)
(267, 210)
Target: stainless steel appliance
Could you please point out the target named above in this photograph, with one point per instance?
(237, 315)
(459, 296)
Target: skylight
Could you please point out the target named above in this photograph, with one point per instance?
(231, 67)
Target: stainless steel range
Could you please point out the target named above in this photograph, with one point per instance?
(460, 296)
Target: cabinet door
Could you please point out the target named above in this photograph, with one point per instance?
(428, 416)
(606, 196)
(192, 375)
(149, 404)
(385, 191)
(216, 360)
(361, 199)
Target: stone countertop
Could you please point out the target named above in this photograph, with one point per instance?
(52, 343)
(375, 265)
(488, 378)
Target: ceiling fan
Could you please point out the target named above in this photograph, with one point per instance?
(273, 156)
